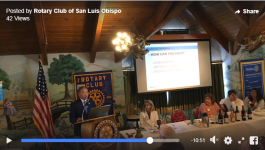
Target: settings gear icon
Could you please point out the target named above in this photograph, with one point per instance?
(228, 140)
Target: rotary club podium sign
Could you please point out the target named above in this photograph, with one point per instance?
(100, 89)
(99, 85)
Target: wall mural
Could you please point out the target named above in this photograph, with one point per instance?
(232, 75)
(19, 73)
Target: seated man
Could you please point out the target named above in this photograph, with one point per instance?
(167, 132)
(231, 102)
(247, 146)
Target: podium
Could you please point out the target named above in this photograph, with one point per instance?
(101, 128)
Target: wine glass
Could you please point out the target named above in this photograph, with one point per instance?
(158, 123)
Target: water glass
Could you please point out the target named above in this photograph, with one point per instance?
(214, 117)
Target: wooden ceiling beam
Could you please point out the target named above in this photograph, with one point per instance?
(244, 30)
(152, 26)
(40, 27)
(258, 5)
(261, 16)
(196, 10)
(158, 17)
(163, 14)
(99, 24)
(233, 6)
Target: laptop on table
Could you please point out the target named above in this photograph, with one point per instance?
(97, 112)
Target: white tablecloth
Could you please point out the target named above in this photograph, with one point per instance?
(237, 130)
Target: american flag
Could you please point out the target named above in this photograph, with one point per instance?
(42, 112)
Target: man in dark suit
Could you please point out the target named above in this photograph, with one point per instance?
(77, 110)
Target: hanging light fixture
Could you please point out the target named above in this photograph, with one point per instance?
(122, 42)
(127, 42)
(250, 43)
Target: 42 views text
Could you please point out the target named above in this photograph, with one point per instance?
(17, 18)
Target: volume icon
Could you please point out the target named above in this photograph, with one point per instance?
(213, 139)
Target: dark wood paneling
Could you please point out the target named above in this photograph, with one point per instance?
(197, 12)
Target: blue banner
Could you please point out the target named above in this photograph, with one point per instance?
(1, 91)
(99, 85)
(252, 76)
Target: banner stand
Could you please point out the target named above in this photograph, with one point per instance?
(252, 76)
(99, 85)
(1, 91)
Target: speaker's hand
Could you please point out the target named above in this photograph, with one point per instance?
(79, 119)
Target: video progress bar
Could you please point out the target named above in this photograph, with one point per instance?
(82, 140)
(149, 140)
(166, 140)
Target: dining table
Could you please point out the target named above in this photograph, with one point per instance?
(199, 137)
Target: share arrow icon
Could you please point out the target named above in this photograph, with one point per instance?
(8, 140)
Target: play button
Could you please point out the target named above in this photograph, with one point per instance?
(8, 140)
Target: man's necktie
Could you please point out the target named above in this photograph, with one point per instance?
(86, 105)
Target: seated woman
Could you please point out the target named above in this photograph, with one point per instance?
(254, 100)
(209, 106)
(9, 109)
(148, 116)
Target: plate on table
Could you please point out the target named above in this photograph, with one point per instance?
(142, 129)
(259, 113)
(155, 131)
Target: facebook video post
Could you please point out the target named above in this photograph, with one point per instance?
(132, 75)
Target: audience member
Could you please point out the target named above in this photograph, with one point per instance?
(209, 106)
(148, 116)
(231, 102)
(167, 132)
(254, 100)
(94, 147)
(247, 146)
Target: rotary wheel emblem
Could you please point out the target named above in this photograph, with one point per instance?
(97, 96)
(106, 129)
(256, 68)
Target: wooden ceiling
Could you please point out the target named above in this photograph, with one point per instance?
(93, 32)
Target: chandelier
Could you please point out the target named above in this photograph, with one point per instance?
(251, 43)
(127, 42)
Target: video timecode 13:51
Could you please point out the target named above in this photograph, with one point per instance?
(198, 140)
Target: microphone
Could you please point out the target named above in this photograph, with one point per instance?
(110, 102)
(115, 105)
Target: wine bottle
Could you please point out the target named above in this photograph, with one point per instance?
(220, 117)
(243, 114)
(226, 118)
(249, 113)
(237, 114)
(232, 116)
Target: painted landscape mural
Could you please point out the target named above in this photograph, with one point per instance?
(19, 74)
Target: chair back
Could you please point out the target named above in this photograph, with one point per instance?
(178, 116)
(196, 113)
